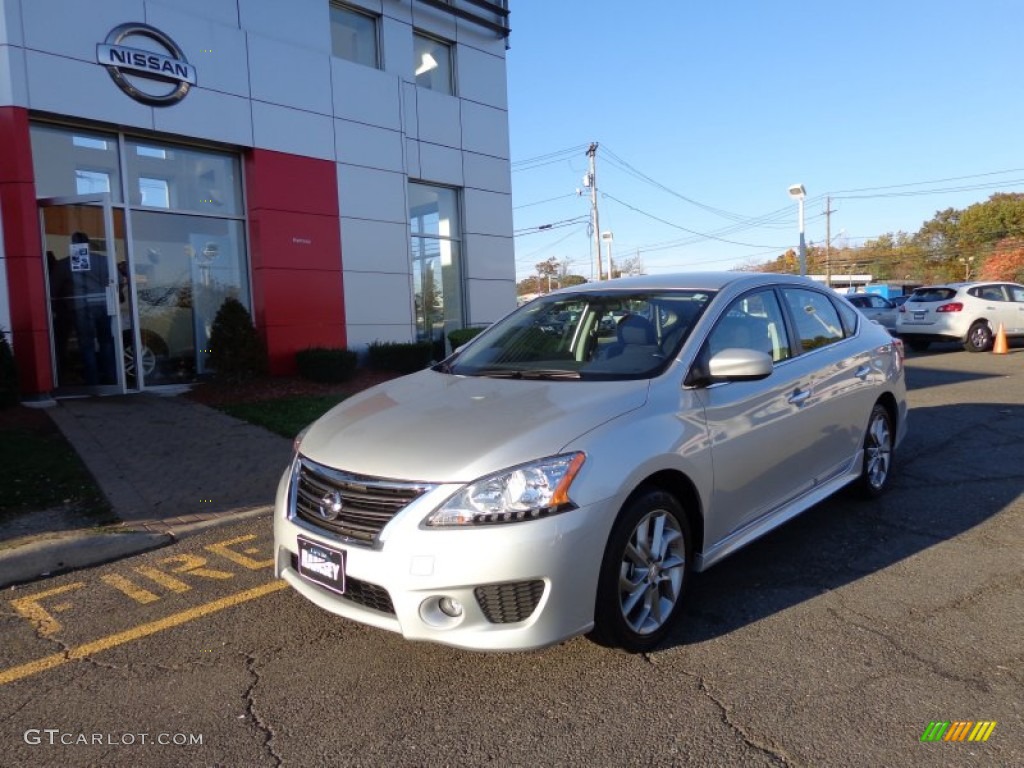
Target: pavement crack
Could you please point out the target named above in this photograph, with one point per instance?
(929, 664)
(773, 753)
(250, 709)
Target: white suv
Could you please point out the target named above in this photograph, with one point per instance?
(969, 313)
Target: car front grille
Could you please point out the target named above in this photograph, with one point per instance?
(354, 507)
(509, 602)
(362, 593)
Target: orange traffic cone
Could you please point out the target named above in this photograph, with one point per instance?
(1000, 347)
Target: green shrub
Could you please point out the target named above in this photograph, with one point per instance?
(400, 357)
(462, 335)
(326, 365)
(236, 349)
(8, 374)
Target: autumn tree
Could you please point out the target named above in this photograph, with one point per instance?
(1006, 261)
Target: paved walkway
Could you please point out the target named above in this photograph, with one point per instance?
(166, 462)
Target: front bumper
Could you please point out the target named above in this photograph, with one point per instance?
(521, 585)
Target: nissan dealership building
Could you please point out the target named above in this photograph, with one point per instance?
(341, 168)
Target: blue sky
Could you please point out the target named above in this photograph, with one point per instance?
(918, 104)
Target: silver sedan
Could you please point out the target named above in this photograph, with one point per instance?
(557, 478)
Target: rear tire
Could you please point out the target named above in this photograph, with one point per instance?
(644, 573)
(878, 451)
(979, 337)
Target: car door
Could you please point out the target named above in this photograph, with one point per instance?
(758, 433)
(1012, 315)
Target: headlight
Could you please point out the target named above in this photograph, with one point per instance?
(526, 492)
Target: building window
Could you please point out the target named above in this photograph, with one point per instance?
(436, 261)
(354, 35)
(433, 61)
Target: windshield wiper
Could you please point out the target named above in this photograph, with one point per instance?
(527, 373)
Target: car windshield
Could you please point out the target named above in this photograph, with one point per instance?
(586, 335)
(933, 294)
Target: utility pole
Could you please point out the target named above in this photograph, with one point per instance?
(828, 241)
(592, 177)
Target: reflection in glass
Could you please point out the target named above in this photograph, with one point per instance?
(185, 266)
(436, 261)
(190, 179)
(74, 162)
(433, 64)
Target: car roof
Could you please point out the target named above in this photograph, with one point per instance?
(700, 281)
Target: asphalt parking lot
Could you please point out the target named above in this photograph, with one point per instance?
(834, 641)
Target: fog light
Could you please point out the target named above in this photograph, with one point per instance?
(450, 607)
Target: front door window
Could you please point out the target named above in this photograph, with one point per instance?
(84, 301)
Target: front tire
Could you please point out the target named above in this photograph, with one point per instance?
(643, 574)
(979, 337)
(878, 451)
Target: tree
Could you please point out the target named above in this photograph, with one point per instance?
(1006, 261)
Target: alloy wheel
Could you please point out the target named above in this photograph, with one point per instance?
(652, 571)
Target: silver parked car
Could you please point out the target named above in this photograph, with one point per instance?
(970, 313)
(552, 479)
(876, 308)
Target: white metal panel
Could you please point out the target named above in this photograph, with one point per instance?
(440, 165)
(487, 213)
(412, 158)
(217, 49)
(489, 257)
(484, 129)
(71, 87)
(490, 300)
(219, 11)
(374, 246)
(208, 115)
(280, 73)
(438, 118)
(10, 22)
(482, 77)
(365, 95)
(368, 145)
(292, 130)
(73, 28)
(360, 335)
(13, 80)
(396, 47)
(306, 23)
(482, 38)
(433, 21)
(410, 119)
(398, 9)
(364, 193)
(378, 298)
(492, 174)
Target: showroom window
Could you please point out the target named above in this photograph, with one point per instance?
(179, 239)
(436, 261)
(354, 35)
(433, 61)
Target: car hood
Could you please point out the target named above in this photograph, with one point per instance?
(434, 427)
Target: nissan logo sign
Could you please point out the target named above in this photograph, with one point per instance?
(136, 69)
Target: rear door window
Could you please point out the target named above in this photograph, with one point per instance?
(817, 319)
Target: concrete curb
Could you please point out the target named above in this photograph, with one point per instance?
(52, 554)
(67, 552)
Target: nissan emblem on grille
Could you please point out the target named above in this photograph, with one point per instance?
(330, 506)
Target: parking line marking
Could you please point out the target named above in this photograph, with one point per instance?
(136, 633)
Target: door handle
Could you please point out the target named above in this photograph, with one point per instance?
(799, 397)
(863, 372)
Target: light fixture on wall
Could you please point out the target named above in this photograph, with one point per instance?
(427, 63)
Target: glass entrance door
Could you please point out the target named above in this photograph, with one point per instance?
(84, 272)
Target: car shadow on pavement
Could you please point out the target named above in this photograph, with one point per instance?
(958, 468)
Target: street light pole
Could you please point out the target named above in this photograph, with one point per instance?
(798, 193)
(592, 178)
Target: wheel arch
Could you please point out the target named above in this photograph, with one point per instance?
(682, 487)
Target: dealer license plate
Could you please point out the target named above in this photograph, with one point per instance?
(322, 565)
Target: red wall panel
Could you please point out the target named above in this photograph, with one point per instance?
(23, 249)
(295, 244)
